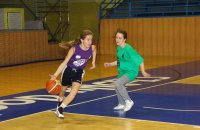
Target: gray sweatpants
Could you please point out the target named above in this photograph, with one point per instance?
(121, 91)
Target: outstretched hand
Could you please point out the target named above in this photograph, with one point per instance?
(107, 64)
(145, 74)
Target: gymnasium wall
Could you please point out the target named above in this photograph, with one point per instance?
(17, 4)
(83, 15)
(29, 46)
(178, 36)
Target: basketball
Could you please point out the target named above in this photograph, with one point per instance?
(53, 87)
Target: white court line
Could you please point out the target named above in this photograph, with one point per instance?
(109, 97)
(91, 100)
(115, 95)
(138, 120)
(185, 78)
(170, 109)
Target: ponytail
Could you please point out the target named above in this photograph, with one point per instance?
(68, 45)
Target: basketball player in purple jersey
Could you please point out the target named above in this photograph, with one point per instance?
(72, 68)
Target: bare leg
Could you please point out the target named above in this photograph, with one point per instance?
(61, 95)
(72, 94)
(68, 99)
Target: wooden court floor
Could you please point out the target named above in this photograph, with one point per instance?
(30, 77)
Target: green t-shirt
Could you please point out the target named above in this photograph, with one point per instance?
(128, 62)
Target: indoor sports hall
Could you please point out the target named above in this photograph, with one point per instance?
(164, 32)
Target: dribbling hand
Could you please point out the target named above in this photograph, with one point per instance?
(53, 77)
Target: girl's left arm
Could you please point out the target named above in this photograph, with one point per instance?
(144, 73)
(138, 60)
(94, 53)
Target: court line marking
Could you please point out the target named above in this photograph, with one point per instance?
(158, 85)
(185, 78)
(189, 77)
(170, 109)
(137, 120)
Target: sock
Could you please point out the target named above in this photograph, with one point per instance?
(63, 105)
(60, 99)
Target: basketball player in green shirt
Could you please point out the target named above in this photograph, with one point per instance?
(129, 63)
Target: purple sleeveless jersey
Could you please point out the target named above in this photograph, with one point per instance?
(80, 57)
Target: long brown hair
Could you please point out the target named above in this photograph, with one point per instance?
(69, 44)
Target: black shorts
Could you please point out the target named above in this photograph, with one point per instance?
(71, 75)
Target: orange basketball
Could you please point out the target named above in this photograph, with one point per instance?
(53, 87)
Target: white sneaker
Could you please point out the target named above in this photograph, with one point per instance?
(128, 105)
(119, 107)
(59, 112)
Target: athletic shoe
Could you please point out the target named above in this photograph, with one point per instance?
(59, 112)
(129, 104)
(119, 107)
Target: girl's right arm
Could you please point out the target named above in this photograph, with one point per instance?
(110, 64)
(63, 64)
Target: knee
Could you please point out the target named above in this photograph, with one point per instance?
(117, 85)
